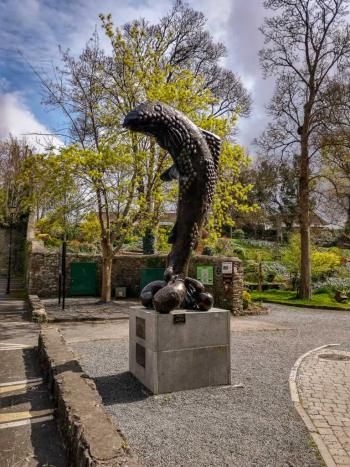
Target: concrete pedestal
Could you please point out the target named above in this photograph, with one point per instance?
(180, 350)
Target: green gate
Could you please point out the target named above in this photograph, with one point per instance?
(83, 279)
(151, 274)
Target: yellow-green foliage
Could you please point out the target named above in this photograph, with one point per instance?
(322, 262)
(162, 240)
(291, 254)
(247, 299)
(120, 170)
(90, 228)
(50, 226)
(146, 73)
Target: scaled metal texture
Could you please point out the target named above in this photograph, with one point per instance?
(195, 153)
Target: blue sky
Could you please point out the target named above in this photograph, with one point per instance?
(32, 30)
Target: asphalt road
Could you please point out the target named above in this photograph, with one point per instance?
(253, 425)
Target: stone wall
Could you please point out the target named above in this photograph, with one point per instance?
(42, 276)
(43, 268)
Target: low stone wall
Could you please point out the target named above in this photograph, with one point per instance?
(227, 290)
(90, 438)
(43, 269)
(37, 309)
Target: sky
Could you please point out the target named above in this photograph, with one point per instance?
(32, 30)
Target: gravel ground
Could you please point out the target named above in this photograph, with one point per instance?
(256, 425)
(89, 308)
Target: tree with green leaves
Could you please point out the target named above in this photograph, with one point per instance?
(306, 43)
(175, 61)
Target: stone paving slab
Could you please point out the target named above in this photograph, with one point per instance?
(323, 383)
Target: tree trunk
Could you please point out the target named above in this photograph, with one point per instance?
(107, 261)
(260, 277)
(304, 221)
(347, 223)
(279, 231)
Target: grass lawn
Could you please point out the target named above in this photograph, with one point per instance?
(289, 298)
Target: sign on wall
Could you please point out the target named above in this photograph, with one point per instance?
(227, 267)
(205, 274)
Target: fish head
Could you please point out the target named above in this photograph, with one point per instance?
(147, 118)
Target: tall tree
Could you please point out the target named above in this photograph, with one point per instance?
(13, 153)
(274, 191)
(335, 141)
(175, 61)
(307, 42)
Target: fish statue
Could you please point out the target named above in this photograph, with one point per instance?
(195, 153)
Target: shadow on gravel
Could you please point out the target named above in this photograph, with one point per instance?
(120, 389)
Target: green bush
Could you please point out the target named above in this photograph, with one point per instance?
(162, 245)
(238, 251)
(324, 263)
(238, 233)
(207, 251)
(272, 270)
(53, 242)
(90, 229)
(223, 247)
(321, 290)
(247, 299)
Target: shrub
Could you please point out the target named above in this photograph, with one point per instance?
(53, 242)
(162, 245)
(324, 263)
(74, 245)
(273, 269)
(207, 251)
(90, 229)
(321, 290)
(238, 233)
(135, 245)
(334, 283)
(238, 251)
(260, 243)
(223, 247)
(251, 271)
(250, 266)
(247, 299)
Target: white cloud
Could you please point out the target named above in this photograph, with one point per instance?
(37, 27)
(17, 119)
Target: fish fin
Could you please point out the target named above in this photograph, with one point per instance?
(170, 174)
(214, 144)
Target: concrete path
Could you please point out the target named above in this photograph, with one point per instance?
(323, 384)
(28, 434)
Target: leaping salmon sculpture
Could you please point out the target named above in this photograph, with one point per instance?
(195, 153)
